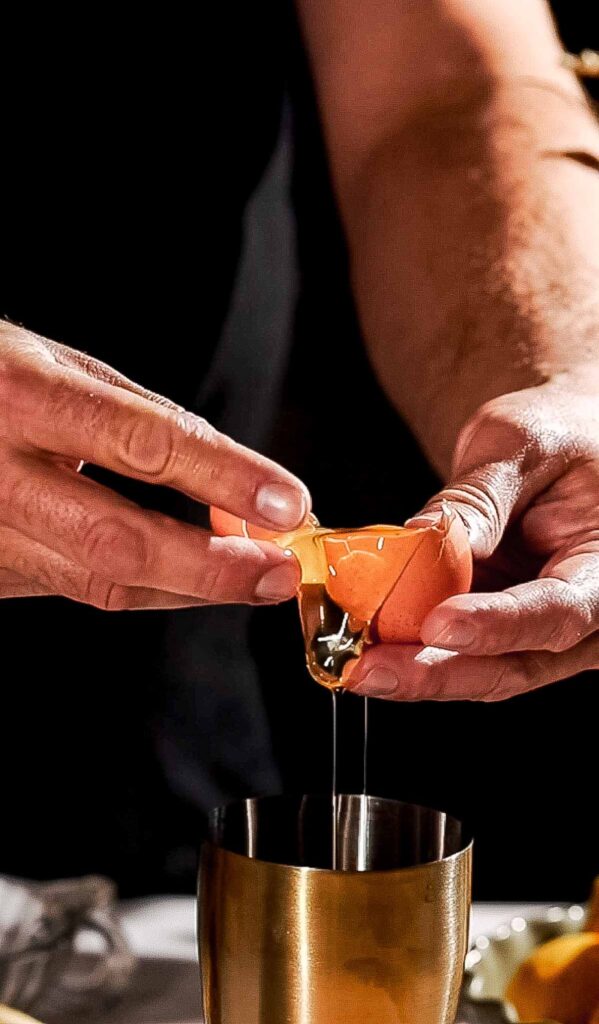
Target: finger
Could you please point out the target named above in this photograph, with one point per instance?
(14, 585)
(502, 459)
(484, 499)
(546, 614)
(108, 535)
(138, 599)
(410, 672)
(100, 594)
(43, 573)
(60, 411)
(552, 613)
(98, 370)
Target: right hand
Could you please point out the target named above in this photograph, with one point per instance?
(64, 534)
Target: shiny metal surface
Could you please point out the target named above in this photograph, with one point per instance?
(286, 940)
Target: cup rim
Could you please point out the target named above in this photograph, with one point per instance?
(466, 844)
(336, 872)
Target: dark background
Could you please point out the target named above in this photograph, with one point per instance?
(118, 732)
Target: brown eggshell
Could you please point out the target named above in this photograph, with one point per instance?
(440, 567)
(226, 525)
(364, 565)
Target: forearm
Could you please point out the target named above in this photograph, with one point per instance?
(474, 244)
(475, 256)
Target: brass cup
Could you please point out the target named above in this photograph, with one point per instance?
(286, 940)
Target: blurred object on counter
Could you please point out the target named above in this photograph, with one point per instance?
(42, 926)
(559, 979)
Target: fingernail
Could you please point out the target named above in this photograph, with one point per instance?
(283, 505)
(278, 583)
(427, 519)
(378, 682)
(456, 635)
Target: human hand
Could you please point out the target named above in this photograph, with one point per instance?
(525, 480)
(61, 533)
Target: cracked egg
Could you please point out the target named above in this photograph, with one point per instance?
(372, 584)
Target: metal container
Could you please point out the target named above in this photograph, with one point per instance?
(286, 940)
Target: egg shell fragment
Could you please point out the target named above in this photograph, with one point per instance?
(224, 524)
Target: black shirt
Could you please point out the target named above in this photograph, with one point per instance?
(136, 195)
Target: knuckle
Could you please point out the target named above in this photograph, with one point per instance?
(197, 428)
(494, 427)
(504, 687)
(479, 502)
(160, 445)
(507, 682)
(530, 669)
(112, 545)
(520, 672)
(227, 576)
(147, 445)
(209, 445)
(106, 595)
(515, 620)
(214, 584)
(81, 360)
(20, 397)
(203, 442)
(577, 618)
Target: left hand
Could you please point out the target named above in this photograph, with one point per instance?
(525, 480)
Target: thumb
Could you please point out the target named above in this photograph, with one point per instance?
(485, 494)
(501, 462)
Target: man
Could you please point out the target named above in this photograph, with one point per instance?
(461, 153)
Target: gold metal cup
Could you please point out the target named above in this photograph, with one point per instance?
(286, 940)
